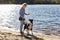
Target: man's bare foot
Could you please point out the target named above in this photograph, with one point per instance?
(22, 33)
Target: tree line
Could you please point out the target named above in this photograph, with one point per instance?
(30, 1)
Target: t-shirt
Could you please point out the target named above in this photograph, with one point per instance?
(22, 12)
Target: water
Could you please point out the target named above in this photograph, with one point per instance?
(44, 16)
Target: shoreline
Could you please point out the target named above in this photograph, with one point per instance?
(9, 33)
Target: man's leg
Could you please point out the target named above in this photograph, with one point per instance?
(21, 26)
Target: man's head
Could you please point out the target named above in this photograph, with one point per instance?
(24, 5)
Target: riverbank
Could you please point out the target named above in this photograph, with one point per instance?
(12, 34)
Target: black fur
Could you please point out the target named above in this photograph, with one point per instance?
(26, 26)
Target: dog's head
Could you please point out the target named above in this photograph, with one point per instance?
(31, 20)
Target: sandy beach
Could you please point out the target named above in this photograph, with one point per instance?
(12, 34)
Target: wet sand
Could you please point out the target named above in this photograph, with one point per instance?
(11, 34)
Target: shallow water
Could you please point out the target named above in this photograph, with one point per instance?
(46, 17)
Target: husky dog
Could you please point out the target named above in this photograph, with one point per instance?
(28, 25)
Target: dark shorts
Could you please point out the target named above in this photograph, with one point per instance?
(21, 18)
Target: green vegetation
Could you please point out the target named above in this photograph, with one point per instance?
(30, 1)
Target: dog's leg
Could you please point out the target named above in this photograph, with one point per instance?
(27, 31)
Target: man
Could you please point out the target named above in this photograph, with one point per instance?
(22, 18)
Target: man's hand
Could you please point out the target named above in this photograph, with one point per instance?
(27, 13)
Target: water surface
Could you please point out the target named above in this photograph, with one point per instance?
(44, 16)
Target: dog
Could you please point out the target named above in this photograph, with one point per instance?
(28, 25)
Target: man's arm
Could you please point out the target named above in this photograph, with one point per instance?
(27, 14)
